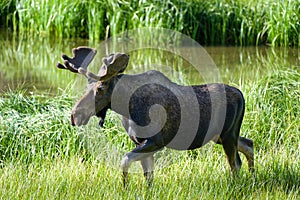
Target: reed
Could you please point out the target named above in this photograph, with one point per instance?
(210, 22)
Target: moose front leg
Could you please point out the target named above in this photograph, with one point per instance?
(143, 152)
(102, 114)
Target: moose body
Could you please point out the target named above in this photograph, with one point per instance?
(161, 91)
(158, 113)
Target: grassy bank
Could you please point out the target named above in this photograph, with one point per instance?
(189, 179)
(42, 156)
(210, 22)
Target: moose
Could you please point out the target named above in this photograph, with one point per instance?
(153, 109)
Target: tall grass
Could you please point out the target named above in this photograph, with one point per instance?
(210, 22)
(189, 179)
(42, 156)
(35, 128)
(272, 92)
(275, 107)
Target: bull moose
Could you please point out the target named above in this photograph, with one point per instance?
(151, 98)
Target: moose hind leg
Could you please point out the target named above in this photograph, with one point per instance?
(245, 146)
(148, 164)
(231, 150)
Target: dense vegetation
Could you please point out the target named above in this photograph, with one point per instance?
(42, 156)
(209, 22)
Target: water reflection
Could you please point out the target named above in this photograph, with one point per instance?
(30, 63)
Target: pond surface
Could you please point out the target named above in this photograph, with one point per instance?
(30, 63)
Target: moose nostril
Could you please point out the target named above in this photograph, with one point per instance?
(72, 120)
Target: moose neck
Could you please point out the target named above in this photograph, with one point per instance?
(124, 96)
(123, 88)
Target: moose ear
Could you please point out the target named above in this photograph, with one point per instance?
(113, 65)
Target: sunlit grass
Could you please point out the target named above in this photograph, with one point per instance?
(35, 128)
(203, 177)
(210, 22)
(42, 156)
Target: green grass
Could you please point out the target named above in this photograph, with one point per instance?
(210, 22)
(43, 157)
(34, 128)
(188, 179)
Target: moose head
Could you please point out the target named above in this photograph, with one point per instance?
(97, 98)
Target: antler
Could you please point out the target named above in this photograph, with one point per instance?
(111, 66)
(82, 57)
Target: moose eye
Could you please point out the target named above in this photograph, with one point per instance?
(100, 88)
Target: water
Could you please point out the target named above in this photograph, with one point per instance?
(30, 63)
